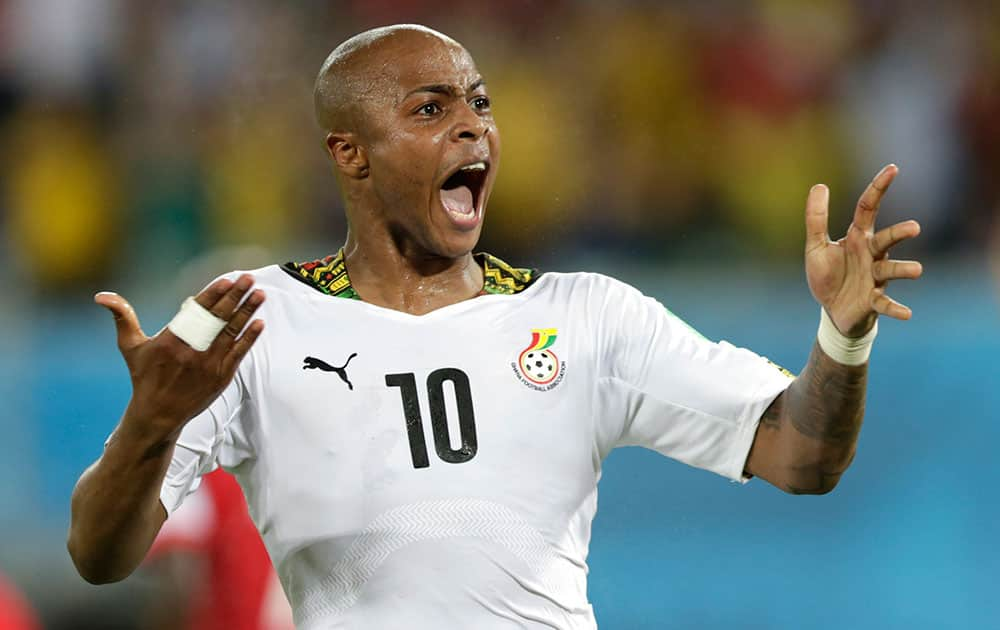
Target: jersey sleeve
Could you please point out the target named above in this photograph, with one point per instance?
(663, 386)
(189, 527)
(211, 439)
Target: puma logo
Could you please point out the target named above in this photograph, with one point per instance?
(312, 363)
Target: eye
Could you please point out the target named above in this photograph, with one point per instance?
(481, 103)
(429, 109)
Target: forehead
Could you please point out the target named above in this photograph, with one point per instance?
(406, 63)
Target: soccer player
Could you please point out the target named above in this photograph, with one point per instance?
(420, 432)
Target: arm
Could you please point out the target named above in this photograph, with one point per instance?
(115, 508)
(808, 436)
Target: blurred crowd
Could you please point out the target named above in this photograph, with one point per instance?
(137, 137)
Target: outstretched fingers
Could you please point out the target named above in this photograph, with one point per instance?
(817, 217)
(226, 304)
(237, 308)
(238, 321)
(211, 294)
(867, 208)
(130, 332)
(885, 270)
(885, 305)
(887, 238)
(242, 346)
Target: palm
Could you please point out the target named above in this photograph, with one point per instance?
(848, 277)
(170, 379)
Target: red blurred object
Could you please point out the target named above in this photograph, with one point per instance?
(237, 585)
(15, 613)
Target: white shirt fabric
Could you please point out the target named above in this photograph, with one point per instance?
(362, 538)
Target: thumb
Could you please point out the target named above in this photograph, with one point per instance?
(130, 332)
(817, 217)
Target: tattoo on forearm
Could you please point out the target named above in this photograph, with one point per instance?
(772, 415)
(827, 401)
(813, 426)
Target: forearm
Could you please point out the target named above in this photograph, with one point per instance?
(816, 424)
(115, 508)
(807, 438)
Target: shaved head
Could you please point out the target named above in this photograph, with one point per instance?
(411, 137)
(348, 76)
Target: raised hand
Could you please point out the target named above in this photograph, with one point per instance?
(172, 382)
(848, 277)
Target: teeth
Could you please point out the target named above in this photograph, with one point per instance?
(478, 166)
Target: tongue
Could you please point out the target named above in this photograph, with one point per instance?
(457, 200)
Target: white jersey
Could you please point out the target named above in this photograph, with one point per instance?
(440, 471)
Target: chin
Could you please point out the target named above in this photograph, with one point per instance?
(457, 245)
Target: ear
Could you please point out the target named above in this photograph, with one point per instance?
(348, 157)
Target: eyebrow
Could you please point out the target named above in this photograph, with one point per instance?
(441, 88)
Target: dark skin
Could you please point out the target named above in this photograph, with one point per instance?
(116, 510)
(414, 111)
(808, 436)
(431, 115)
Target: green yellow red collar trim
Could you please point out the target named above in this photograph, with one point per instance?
(329, 275)
(499, 278)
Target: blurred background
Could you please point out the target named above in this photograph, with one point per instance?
(148, 147)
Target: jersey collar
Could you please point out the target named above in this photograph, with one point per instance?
(329, 275)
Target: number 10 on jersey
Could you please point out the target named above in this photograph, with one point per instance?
(407, 384)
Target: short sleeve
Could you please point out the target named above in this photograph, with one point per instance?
(210, 439)
(189, 527)
(663, 386)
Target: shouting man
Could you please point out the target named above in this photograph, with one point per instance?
(420, 433)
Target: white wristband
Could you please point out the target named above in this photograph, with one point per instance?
(195, 325)
(845, 350)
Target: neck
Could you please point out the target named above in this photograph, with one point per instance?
(408, 279)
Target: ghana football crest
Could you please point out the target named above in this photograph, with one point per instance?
(537, 366)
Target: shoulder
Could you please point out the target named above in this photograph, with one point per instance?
(606, 303)
(592, 288)
(284, 293)
(503, 278)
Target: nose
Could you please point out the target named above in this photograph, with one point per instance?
(470, 125)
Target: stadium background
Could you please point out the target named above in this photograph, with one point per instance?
(146, 147)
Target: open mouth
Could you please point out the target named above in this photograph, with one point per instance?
(462, 191)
